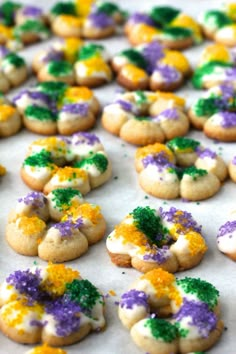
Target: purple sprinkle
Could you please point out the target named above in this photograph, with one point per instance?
(34, 95)
(66, 227)
(206, 153)
(53, 55)
(227, 228)
(158, 160)
(134, 297)
(139, 17)
(234, 160)
(35, 199)
(230, 74)
(85, 138)
(152, 53)
(169, 73)
(160, 255)
(66, 315)
(228, 119)
(184, 218)
(32, 11)
(3, 51)
(227, 90)
(36, 323)
(76, 108)
(170, 114)
(127, 106)
(200, 314)
(101, 20)
(116, 303)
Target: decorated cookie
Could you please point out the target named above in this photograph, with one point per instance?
(77, 224)
(226, 239)
(214, 113)
(181, 168)
(54, 107)
(72, 61)
(144, 117)
(78, 162)
(86, 19)
(13, 70)
(232, 169)
(51, 304)
(169, 315)
(216, 66)
(10, 120)
(167, 25)
(150, 65)
(21, 24)
(147, 239)
(45, 349)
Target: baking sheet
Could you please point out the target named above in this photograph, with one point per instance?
(117, 198)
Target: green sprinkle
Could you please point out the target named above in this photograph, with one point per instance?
(40, 113)
(176, 32)
(206, 107)
(183, 144)
(161, 329)
(60, 68)
(99, 160)
(84, 293)
(41, 159)
(62, 197)
(142, 118)
(34, 26)
(198, 203)
(181, 331)
(116, 177)
(35, 263)
(13, 59)
(195, 172)
(216, 19)
(140, 97)
(108, 8)
(162, 15)
(90, 50)
(62, 8)
(53, 89)
(146, 197)
(208, 69)
(149, 223)
(134, 57)
(7, 10)
(204, 291)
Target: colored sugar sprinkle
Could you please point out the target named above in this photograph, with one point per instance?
(63, 8)
(206, 153)
(183, 144)
(228, 119)
(170, 114)
(62, 197)
(41, 96)
(53, 55)
(134, 57)
(195, 172)
(201, 317)
(59, 68)
(208, 106)
(140, 97)
(14, 60)
(152, 53)
(66, 315)
(208, 69)
(149, 223)
(45, 349)
(35, 26)
(134, 298)
(98, 160)
(40, 113)
(177, 32)
(107, 7)
(3, 51)
(127, 106)
(228, 228)
(67, 227)
(83, 293)
(234, 160)
(163, 14)
(34, 199)
(90, 50)
(161, 329)
(85, 138)
(204, 291)
(80, 109)
(181, 217)
(139, 17)
(31, 226)
(32, 11)
(101, 20)
(216, 19)
(41, 159)
(169, 73)
(53, 89)
(158, 255)
(26, 283)
(157, 160)
(142, 118)
(7, 12)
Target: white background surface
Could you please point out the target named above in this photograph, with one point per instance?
(119, 197)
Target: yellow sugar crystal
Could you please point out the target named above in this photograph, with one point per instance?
(179, 101)
(183, 20)
(215, 52)
(6, 32)
(134, 74)
(78, 93)
(86, 211)
(230, 9)
(71, 20)
(6, 112)
(131, 234)
(83, 7)
(71, 47)
(197, 243)
(155, 149)
(68, 173)
(143, 33)
(94, 65)
(177, 60)
(30, 226)
(45, 349)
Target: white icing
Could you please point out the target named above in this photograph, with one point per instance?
(226, 33)
(38, 172)
(116, 109)
(120, 60)
(206, 162)
(69, 117)
(152, 173)
(159, 78)
(24, 101)
(227, 243)
(83, 71)
(216, 119)
(193, 331)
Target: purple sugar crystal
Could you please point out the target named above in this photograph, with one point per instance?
(127, 106)
(36, 199)
(228, 228)
(228, 119)
(159, 256)
(230, 74)
(32, 11)
(157, 160)
(3, 51)
(152, 53)
(85, 138)
(139, 17)
(35, 95)
(227, 90)
(66, 227)
(101, 20)
(169, 73)
(170, 114)
(53, 55)
(80, 109)
(134, 297)
(206, 153)
(234, 160)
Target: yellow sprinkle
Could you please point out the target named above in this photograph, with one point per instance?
(86, 211)
(57, 277)
(196, 243)
(68, 173)
(230, 9)
(5, 32)
(177, 60)
(155, 149)
(112, 292)
(45, 349)
(31, 226)
(183, 20)
(215, 52)
(83, 7)
(94, 65)
(52, 144)
(2, 170)
(179, 101)
(164, 284)
(6, 112)
(71, 20)
(132, 73)
(142, 33)
(130, 234)
(71, 47)
(75, 94)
